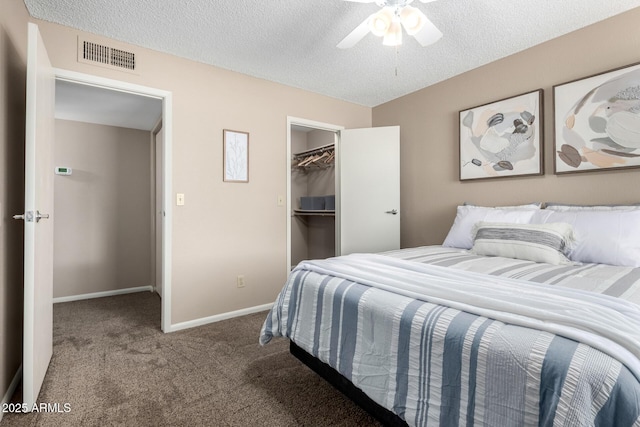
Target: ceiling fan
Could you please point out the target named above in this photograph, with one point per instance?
(388, 23)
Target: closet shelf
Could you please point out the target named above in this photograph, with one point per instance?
(314, 151)
(304, 212)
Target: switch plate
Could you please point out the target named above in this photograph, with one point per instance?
(240, 281)
(180, 199)
(280, 200)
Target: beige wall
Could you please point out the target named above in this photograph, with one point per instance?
(428, 122)
(224, 229)
(12, 106)
(103, 210)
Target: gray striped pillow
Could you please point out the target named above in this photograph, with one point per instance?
(549, 243)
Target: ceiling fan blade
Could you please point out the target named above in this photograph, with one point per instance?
(429, 34)
(356, 35)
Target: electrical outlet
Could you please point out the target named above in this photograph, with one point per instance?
(240, 281)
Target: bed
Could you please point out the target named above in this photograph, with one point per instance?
(444, 335)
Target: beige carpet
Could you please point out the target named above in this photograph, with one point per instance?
(113, 366)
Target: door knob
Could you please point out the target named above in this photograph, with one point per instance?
(28, 216)
(392, 212)
(40, 216)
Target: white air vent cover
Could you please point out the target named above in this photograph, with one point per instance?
(90, 52)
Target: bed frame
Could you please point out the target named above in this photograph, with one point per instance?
(334, 378)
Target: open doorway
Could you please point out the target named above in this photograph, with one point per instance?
(113, 139)
(365, 172)
(312, 232)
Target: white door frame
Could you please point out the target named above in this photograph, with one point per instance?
(167, 129)
(156, 208)
(296, 121)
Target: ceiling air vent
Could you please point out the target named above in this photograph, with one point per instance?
(93, 53)
(124, 59)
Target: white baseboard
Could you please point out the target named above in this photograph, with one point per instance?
(12, 388)
(103, 294)
(219, 317)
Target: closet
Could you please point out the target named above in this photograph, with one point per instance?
(343, 190)
(313, 188)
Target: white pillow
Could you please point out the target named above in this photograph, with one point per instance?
(548, 243)
(532, 205)
(460, 234)
(602, 237)
(561, 207)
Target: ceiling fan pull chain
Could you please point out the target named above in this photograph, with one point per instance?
(396, 61)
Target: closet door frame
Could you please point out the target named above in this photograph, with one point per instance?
(336, 129)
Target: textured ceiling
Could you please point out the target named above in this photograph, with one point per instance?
(294, 41)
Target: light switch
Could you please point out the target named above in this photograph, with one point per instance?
(180, 199)
(280, 200)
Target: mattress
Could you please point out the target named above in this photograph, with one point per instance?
(477, 358)
(600, 278)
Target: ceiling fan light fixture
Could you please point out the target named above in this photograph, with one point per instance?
(413, 20)
(393, 37)
(389, 21)
(381, 22)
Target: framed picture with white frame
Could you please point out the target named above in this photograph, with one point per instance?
(235, 156)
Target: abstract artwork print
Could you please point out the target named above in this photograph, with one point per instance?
(597, 122)
(502, 139)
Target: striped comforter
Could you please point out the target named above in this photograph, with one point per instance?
(433, 364)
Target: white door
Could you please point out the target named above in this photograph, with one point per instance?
(38, 217)
(369, 189)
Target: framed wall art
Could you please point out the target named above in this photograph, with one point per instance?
(597, 122)
(503, 138)
(235, 155)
